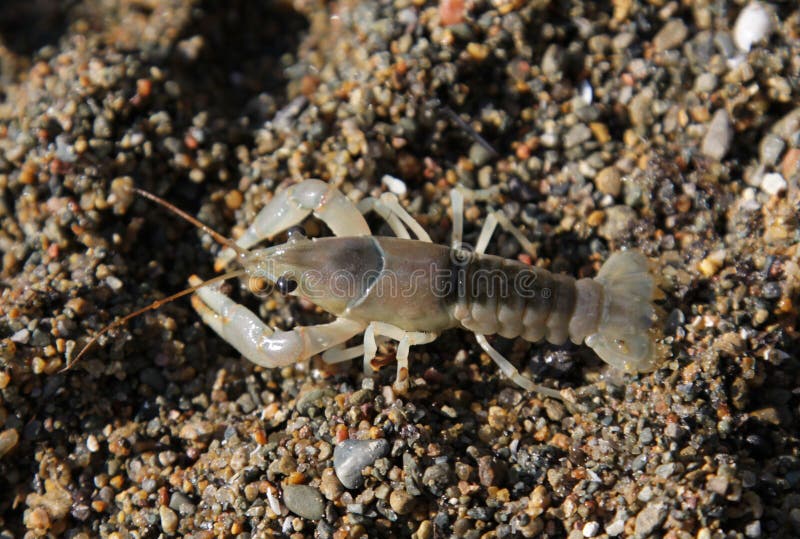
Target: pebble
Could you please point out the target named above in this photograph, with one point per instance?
(672, 34)
(401, 501)
(717, 140)
(618, 223)
(329, 485)
(169, 520)
(753, 24)
(92, 444)
(650, 518)
(436, 477)
(665, 470)
(640, 108)
(304, 501)
(773, 183)
(705, 83)
(590, 529)
(22, 336)
(609, 181)
(8, 441)
(577, 134)
(180, 503)
(616, 528)
(770, 149)
(350, 457)
(753, 529)
(479, 154)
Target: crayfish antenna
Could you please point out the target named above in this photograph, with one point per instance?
(219, 238)
(153, 306)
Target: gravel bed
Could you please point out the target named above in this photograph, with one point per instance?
(669, 127)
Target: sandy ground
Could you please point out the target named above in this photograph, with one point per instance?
(608, 126)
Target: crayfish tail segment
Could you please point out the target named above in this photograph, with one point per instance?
(627, 331)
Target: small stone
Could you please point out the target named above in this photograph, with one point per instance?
(8, 440)
(753, 24)
(554, 409)
(600, 132)
(596, 218)
(650, 518)
(619, 222)
(351, 456)
(37, 519)
(773, 183)
(615, 528)
(304, 501)
(22, 336)
(640, 108)
(234, 199)
(753, 529)
(552, 59)
(101, 127)
(665, 470)
(169, 520)
(718, 484)
(770, 149)
(705, 82)
(590, 529)
(425, 530)
(670, 36)
(329, 485)
(114, 283)
(609, 181)
(577, 134)
(717, 140)
(711, 264)
(479, 155)
(401, 502)
(92, 444)
(436, 477)
(180, 503)
(477, 51)
(313, 399)
(490, 471)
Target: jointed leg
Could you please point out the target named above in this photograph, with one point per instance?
(486, 233)
(390, 199)
(509, 370)
(388, 207)
(406, 340)
(373, 204)
(457, 205)
(256, 341)
(509, 227)
(494, 218)
(411, 338)
(339, 354)
(290, 206)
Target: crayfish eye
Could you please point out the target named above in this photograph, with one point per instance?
(286, 285)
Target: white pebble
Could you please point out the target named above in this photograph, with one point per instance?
(395, 185)
(586, 92)
(115, 284)
(590, 529)
(773, 183)
(753, 24)
(92, 444)
(615, 528)
(274, 504)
